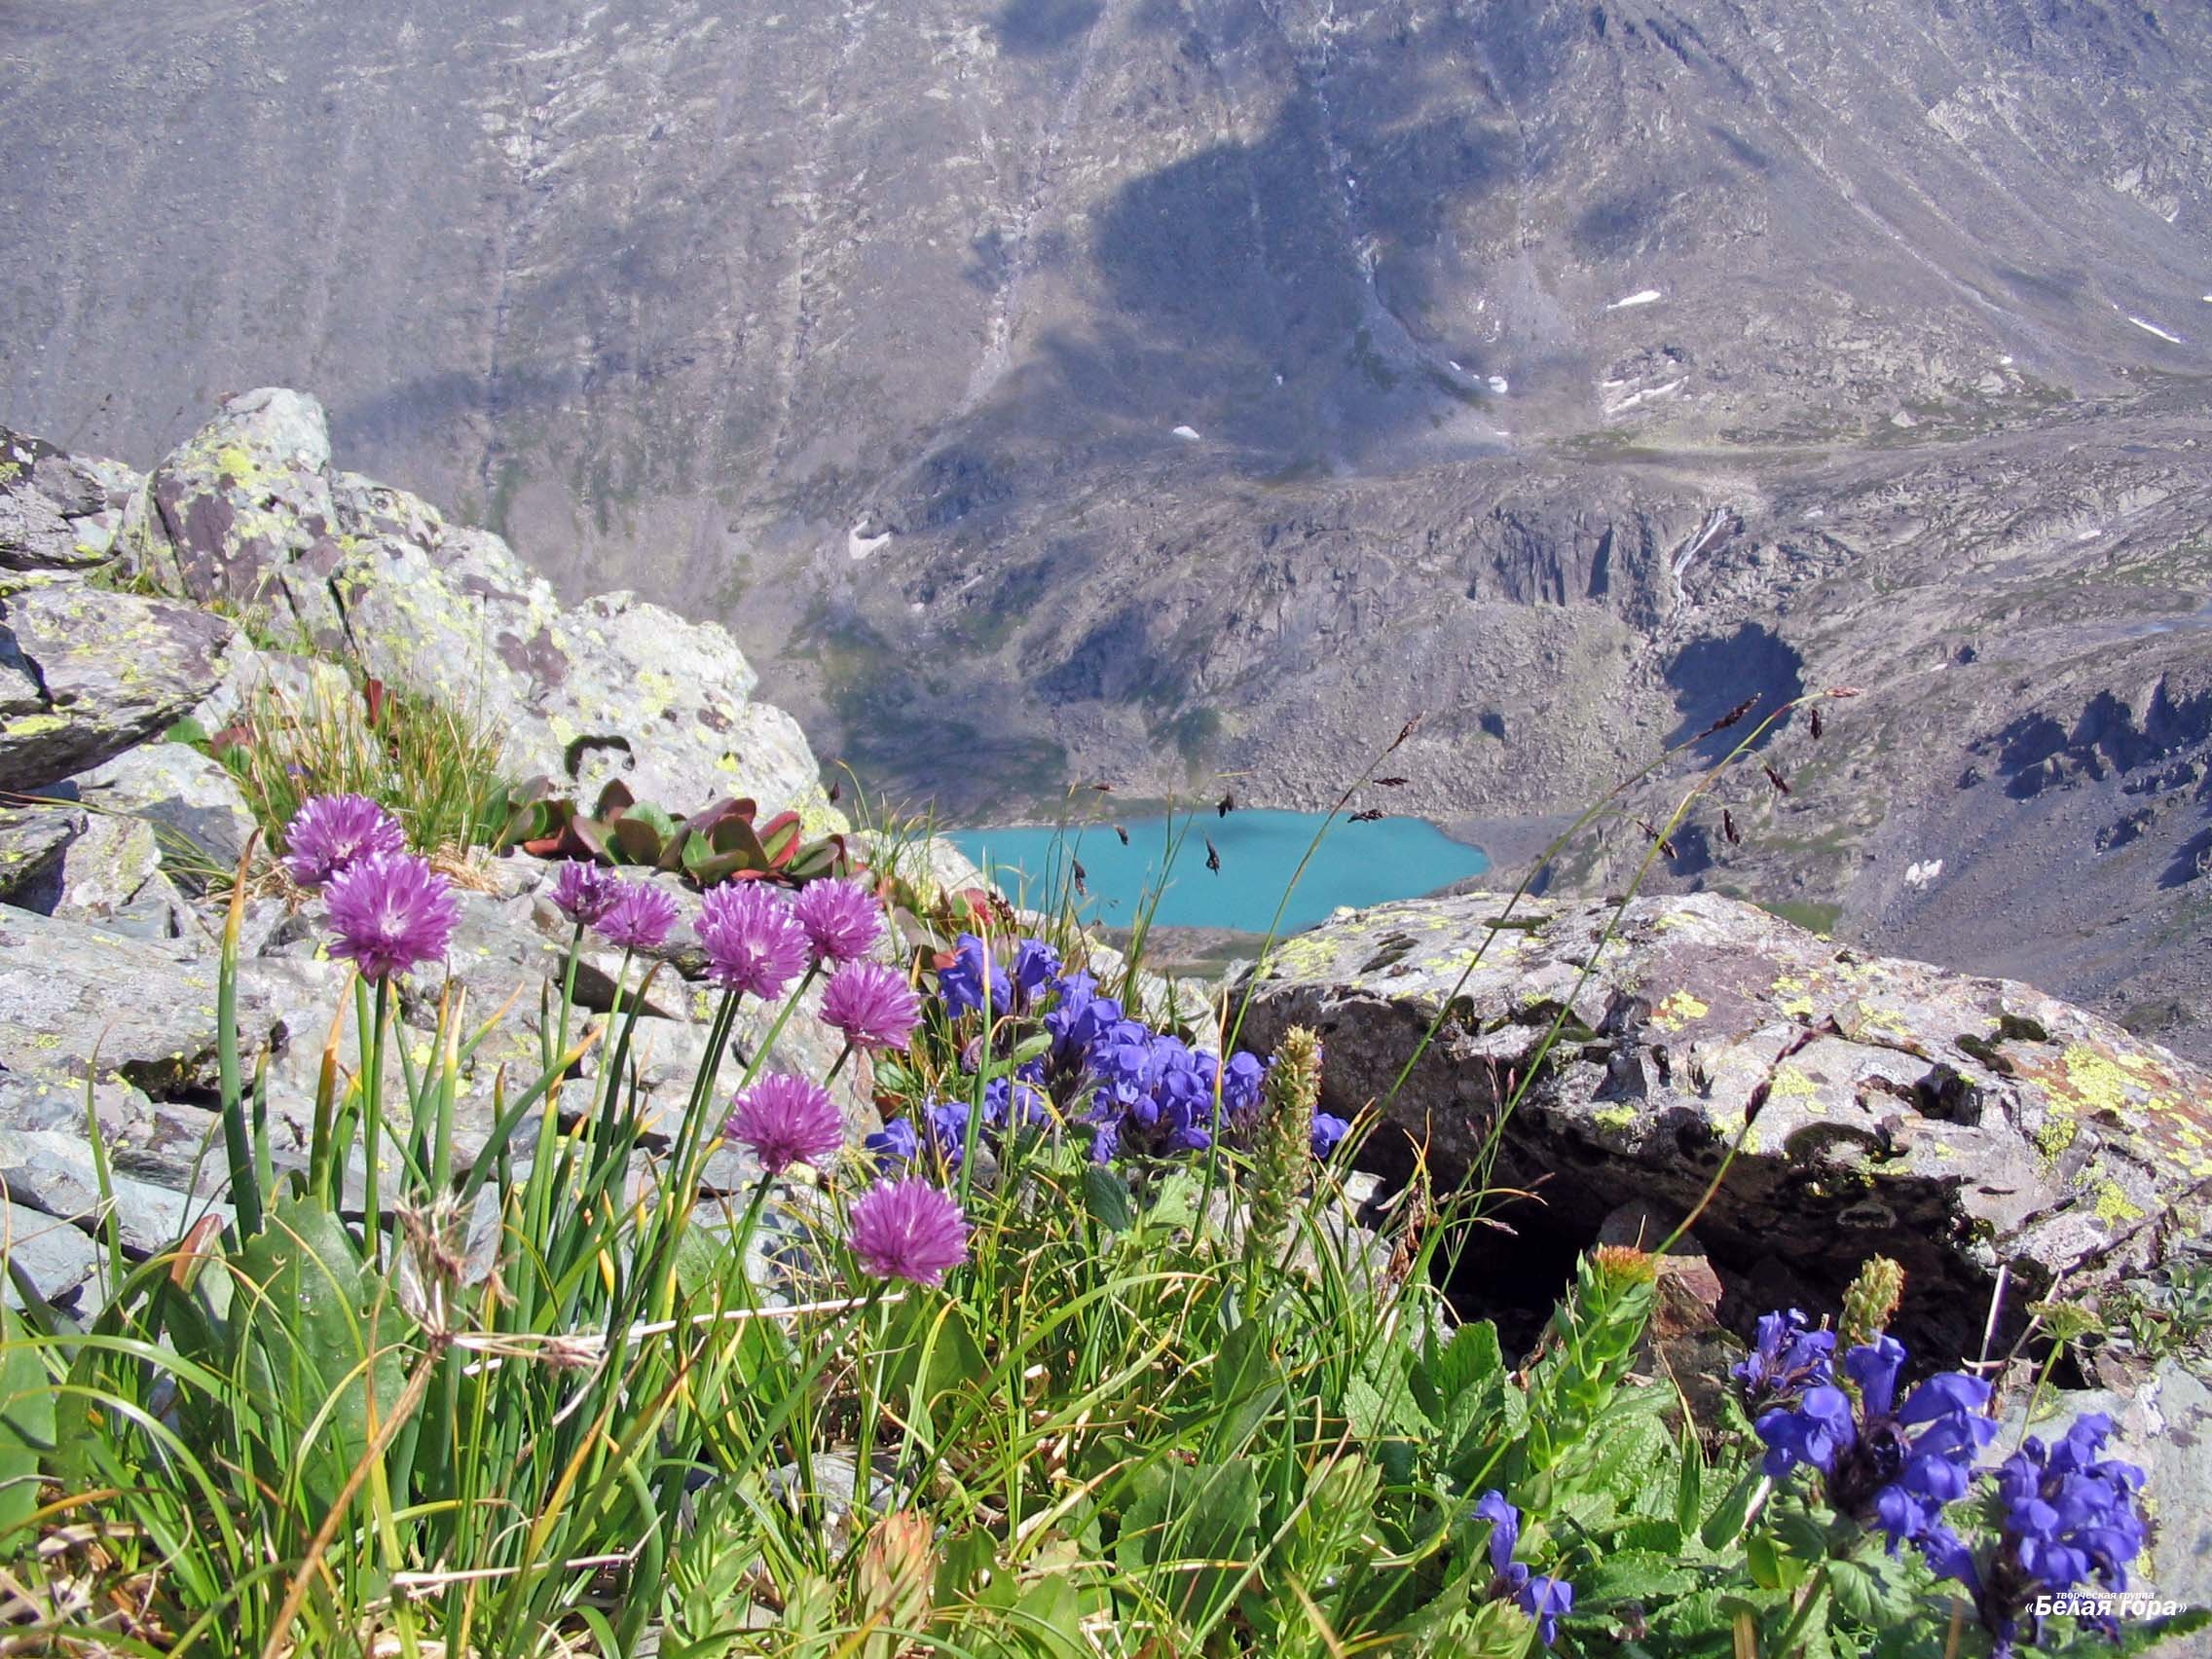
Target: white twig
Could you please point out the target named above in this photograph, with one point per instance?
(590, 1347)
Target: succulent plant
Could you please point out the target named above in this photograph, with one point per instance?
(721, 842)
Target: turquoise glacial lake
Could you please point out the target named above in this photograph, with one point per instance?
(1356, 865)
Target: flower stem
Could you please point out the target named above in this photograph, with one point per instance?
(1792, 1634)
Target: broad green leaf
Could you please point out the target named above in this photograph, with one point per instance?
(1108, 1199)
(1727, 1521)
(1632, 1575)
(303, 1328)
(26, 1422)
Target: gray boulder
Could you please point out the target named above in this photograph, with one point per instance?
(54, 1174)
(242, 512)
(193, 803)
(50, 1253)
(111, 878)
(1957, 1125)
(249, 511)
(58, 512)
(72, 996)
(87, 672)
(33, 841)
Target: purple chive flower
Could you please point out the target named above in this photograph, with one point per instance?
(584, 892)
(392, 913)
(639, 917)
(330, 834)
(1544, 1599)
(841, 918)
(961, 983)
(753, 944)
(908, 1230)
(787, 1121)
(872, 1005)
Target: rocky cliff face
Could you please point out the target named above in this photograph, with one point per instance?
(1215, 383)
(1836, 1105)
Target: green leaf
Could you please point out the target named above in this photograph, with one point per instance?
(1726, 1524)
(1871, 1591)
(1689, 1483)
(187, 730)
(1108, 1199)
(26, 1422)
(1632, 1575)
(305, 1303)
(1470, 1360)
(1206, 1512)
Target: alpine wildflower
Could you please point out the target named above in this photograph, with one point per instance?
(583, 892)
(842, 919)
(908, 1230)
(639, 917)
(785, 1120)
(331, 834)
(753, 944)
(872, 1005)
(392, 913)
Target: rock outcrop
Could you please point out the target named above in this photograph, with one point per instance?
(249, 516)
(285, 577)
(87, 672)
(1960, 1126)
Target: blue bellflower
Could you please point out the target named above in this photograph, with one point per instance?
(1545, 1600)
(2071, 1517)
(1875, 1468)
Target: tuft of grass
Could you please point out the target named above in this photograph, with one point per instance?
(433, 767)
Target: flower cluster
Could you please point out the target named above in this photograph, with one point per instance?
(2068, 1517)
(1545, 1600)
(910, 1229)
(1790, 1357)
(585, 892)
(872, 1005)
(330, 834)
(940, 1127)
(392, 913)
(787, 1121)
(755, 945)
(1137, 1091)
(1876, 1467)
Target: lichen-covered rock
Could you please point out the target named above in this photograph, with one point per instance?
(58, 512)
(87, 672)
(70, 993)
(1958, 1124)
(111, 878)
(240, 512)
(249, 511)
(32, 842)
(198, 813)
(52, 1254)
(54, 1174)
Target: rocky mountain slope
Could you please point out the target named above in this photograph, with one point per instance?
(1215, 383)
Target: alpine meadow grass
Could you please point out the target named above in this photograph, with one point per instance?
(1084, 1352)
